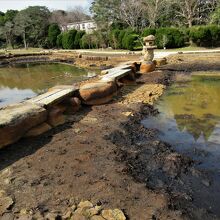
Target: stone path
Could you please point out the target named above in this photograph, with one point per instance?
(158, 54)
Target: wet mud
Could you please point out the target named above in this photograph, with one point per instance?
(105, 155)
(162, 169)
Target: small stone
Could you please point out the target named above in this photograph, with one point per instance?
(206, 182)
(73, 208)
(38, 130)
(2, 193)
(77, 216)
(23, 211)
(91, 212)
(115, 214)
(52, 216)
(77, 130)
(97, 217)
(39, 216)
(7, 181)
(6, 172)
(25, 217)
(67, 215)
(5, 204)
(128, 114)
(88, 120)
(7, 216)
(85, 204)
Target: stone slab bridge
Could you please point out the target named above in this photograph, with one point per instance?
(38, 115)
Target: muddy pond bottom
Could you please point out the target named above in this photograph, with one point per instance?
(23, 81)
(189, 118)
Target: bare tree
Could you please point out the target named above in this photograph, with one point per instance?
(7, 31)
(154, 9)
(194, 10)
(62, 18)
(59, 17)
(131, 12)
(77, 14)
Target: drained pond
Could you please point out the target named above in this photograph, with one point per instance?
(23, 81)
(189, 120)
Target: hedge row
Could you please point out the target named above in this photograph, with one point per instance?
(206, 36)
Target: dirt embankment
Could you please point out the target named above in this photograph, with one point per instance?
(104, 155)
(93, 61)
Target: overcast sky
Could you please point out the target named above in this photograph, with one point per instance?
(51, 4)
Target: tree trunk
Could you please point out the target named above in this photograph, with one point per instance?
(10, 43)
(190, 23)
(25, 42)
(6, 38)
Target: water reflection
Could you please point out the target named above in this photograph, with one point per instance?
(27, 80)
(190, 115)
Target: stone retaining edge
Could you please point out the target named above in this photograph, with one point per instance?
(53, 112)
(18, 120)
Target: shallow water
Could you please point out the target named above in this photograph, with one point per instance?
(189, 118)
(23, 81)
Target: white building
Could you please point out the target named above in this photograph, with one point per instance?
(87, 26)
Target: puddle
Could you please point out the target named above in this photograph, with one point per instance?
(189, 120)
(22, 81)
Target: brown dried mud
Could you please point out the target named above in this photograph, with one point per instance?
(103, 154)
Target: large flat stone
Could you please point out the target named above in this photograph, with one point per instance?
(122, 67)
(115, 75)
(53, 96)
(17, 119)
(97, 93)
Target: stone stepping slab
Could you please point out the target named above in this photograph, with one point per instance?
(17, 119)
(116, 73)
(54, 95)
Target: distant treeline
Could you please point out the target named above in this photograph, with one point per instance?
(36, 26)
(204, 36)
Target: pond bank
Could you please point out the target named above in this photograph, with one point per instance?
(98, 156)
(92, 61)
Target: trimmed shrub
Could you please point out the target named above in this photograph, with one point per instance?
(77, 40)
(53, 32)
(169, 38)
(215, 33)
(59, 41)
(130, 41)
(126, 40)
(114, 38)
(68, 39)
(120, 38)
(46, 44)
(205, 36)
(65, 40)
(87, 42)
(148, 31)
(185, 33)
(201, 36)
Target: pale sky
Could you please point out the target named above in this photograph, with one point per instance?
(51, 4)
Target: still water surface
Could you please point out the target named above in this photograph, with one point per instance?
(24, 81)
(189, 118)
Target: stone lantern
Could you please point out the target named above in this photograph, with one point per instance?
(147, 64)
